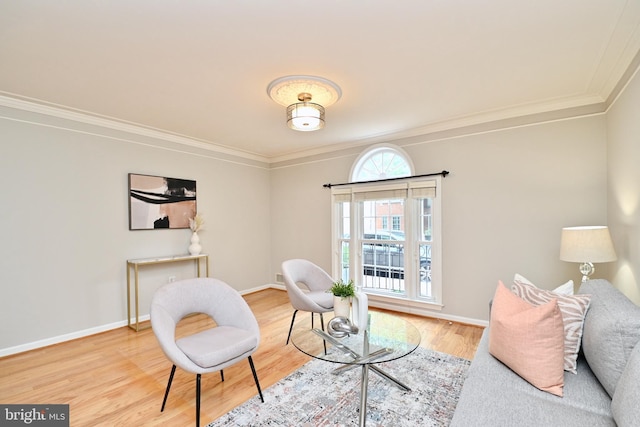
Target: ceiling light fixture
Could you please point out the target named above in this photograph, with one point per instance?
(305, 115)
(296, 93)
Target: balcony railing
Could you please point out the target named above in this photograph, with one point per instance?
(383, 281)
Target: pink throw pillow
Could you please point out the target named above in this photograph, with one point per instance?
(528, 339)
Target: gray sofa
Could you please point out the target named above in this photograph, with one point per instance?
(604, 392)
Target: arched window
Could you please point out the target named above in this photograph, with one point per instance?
(387, 233)
(381, 162)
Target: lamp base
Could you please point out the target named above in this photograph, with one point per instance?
(587, 269)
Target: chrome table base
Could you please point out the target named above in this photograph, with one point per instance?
(365, 360)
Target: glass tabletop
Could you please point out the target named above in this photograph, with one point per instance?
(387, 337)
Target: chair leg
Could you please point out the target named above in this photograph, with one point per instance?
(255, 377)
(324, 343)
(198, 378)
(291, 327)
(166, 393)
(221, 375)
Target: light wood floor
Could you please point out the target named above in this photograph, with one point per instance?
(118, 378)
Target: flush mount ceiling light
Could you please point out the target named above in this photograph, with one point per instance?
(297, 92)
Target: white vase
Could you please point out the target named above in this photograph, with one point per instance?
(194, 247)
(341, 306)
(360, 310)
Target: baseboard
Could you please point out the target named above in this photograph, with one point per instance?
(401, 307)
(263, 287)
(66, 337)
(98, 329)
(425, 312)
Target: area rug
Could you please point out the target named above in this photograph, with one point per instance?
(313, 396)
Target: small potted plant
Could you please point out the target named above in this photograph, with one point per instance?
(342, 294)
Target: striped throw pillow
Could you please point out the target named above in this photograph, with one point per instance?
(573, 309)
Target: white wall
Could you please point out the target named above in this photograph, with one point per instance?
(505, 201)
(64, 224)
(301, 209)
(623, 154)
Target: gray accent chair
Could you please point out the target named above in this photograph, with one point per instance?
(235, 337)
(315, 299)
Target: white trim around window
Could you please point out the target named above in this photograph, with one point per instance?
(349, 240)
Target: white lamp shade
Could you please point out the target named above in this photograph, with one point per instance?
(305, 116)
(586, 244)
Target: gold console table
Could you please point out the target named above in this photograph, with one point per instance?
(137, 263)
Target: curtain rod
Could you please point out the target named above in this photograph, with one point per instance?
(443, 173)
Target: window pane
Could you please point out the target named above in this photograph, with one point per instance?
(383, 260)
(346, 276)
(345, 208)
(426, 221)
(376, 216)
(425, 271)
(396, 223)
(344, 235)
(383, 267)
(382, 164)
(425, 239)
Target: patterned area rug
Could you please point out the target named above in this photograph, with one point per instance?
(313, 396)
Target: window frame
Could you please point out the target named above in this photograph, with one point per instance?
(410, 300)
(376, 150)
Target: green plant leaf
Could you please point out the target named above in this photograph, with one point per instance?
(343, 290)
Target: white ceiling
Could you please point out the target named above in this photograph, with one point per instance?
(200, 68)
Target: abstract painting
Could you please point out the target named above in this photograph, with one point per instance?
(157, 202)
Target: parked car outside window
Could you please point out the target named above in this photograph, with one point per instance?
(383, 259)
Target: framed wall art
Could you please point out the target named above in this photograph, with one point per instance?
(157, 202)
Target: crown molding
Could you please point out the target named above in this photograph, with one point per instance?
(33, 106)
(514, 116)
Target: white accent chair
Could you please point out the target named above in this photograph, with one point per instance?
(317, 282)
(235, 337)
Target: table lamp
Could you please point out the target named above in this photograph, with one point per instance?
(586, 245)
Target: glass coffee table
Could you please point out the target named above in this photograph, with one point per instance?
(386, 338)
